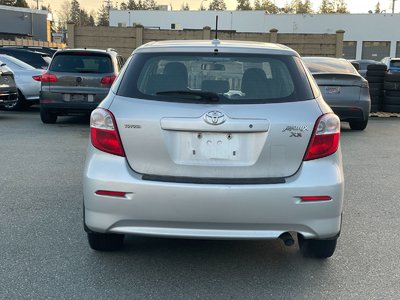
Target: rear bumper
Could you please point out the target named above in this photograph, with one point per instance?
(54, 103)
(8, 97)
(356, 112)
(253, 211)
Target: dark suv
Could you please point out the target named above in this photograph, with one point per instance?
(76, 81)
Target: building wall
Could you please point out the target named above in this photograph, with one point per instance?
(23, 22)
(358, 27)
(126, 39)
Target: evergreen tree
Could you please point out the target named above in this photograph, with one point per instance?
(377, 8)
(123, 6)
(217, 5)
(243, 5)
(150, 5)
(102, 16)
(185, 6)
(21, 3)
(75, 12)
(267, 5)
(326, 7)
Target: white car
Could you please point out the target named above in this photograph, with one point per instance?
(214, 139)
(28, 87)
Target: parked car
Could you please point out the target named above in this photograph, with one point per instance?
(8, 88)
(48, 50)
(363, 65)
(36, 59)
(393, 64)
(77, 81)
(214, 139)
(28, 87)
(343, 88)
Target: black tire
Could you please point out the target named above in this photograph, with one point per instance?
(391, 100)
(376, 73)
(375, 107)
(377, 67)
(375, 79)
(316, 248)
(358, 125)
(47, 117)
(392, 93)
(391, 86)
(375, 92)
(376, 85)
(392, 77)
(105, 241)
(391, 108)
(376, 100)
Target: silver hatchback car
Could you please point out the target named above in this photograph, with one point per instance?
(214, 139)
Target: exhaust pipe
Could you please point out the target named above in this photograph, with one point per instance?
(287, 239)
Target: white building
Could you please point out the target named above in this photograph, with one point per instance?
(369, 36)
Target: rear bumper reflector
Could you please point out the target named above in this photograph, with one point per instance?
(111, 193)
(315, 198)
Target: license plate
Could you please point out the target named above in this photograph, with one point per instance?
(216, 145)
(332, 90)
(78, 98)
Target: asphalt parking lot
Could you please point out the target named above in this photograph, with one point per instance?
(44, 253)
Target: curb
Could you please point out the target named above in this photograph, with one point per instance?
(381, 114)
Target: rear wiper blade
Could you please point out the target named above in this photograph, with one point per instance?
(194, 95)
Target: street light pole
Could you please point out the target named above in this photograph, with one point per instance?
(393, 6)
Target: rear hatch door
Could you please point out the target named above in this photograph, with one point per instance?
(215, 141)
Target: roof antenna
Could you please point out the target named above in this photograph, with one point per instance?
(216, 27)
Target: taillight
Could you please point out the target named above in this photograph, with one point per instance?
(110, 193)
(48, 77)
(104, 132)
(325, 138)
(108, 80)
(37, 77)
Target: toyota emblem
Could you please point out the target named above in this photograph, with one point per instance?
(214, 117)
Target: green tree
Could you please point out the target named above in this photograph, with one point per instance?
(243, 5)
(341, 6)
(217, 5)
(123, 6)
(326, 7)
(377, 9)
(21, 3)
(185, 6)
(333, 6)
(267, 5)
(102, 16)
(75, 12)
(303, 8)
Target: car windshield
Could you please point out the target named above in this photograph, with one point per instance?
(77, 62)
(12, 62)
(329, 65)
(232, 78)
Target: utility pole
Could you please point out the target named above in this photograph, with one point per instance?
(393, 6)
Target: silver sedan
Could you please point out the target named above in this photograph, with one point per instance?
(28, 88)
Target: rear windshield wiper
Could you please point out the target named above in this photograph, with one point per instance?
(192, 95)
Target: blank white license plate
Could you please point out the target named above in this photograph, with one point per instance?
(215, 145)
(332, 90)
(78, 98)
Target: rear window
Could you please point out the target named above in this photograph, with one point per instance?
(329, 65)
(229, 78)
(81, 63)
(395, 63)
